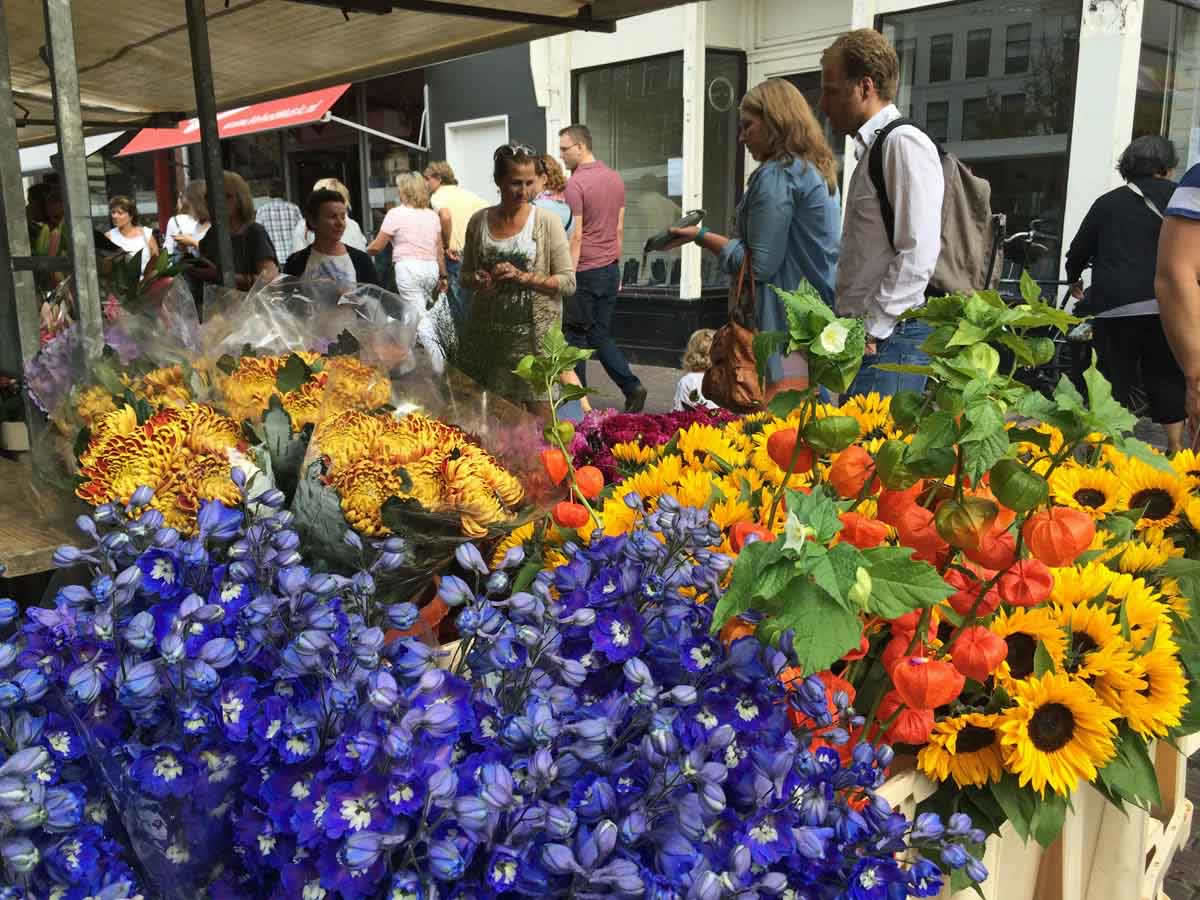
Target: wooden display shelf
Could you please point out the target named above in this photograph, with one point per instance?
(32, 526)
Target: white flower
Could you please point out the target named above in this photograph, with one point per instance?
(832, 338)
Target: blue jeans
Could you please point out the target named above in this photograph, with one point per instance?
(587, 323)
(455, 294)
(902, 349)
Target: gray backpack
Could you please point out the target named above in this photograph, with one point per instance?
(970, 236)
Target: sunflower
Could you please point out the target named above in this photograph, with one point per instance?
(1154, 705)
(1058, 732)
(1032, 453)
(1096, 492)
(1191, 512)
(705, 447)
(633, 454)
(872, 412)
(521, 536)
(1144, 608)
(1023, 630)
(1081, 584)
(1174, 596)
(965, 748)
(1094, 644)
(728, 511)
(1158, 496)
(695, 489)
(1187, 464)
(1141, 557)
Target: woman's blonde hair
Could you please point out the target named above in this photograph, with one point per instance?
(332, 184)
(243, 202)
(547, 166)
(792, 130)
(412, 190)
(699, 345)
(196, 195)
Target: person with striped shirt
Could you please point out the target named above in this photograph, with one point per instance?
(1177, 285)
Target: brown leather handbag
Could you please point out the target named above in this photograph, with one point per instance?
(732, 377)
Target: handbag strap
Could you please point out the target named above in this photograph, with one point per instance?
(744, 307)
(1149, 203)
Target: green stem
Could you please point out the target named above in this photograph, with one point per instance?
(796, 450)
(566, 452)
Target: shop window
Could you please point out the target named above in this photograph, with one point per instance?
(906, 51)
(1014, 125)
(724, 160)
(941, 54)
(635, 113)
(937, 121)
(1168, 94)
(979, 52)
(1016, 49)
(809, 84)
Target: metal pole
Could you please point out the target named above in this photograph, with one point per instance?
(365, 218)
(210, 140)
(64, 82)
(18, 294)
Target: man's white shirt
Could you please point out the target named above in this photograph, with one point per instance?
(875, 283)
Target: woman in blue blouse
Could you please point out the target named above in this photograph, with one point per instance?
(790, 216)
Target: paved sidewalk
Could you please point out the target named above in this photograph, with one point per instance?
(659, 382)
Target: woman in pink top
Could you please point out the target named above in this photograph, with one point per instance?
(415, 233)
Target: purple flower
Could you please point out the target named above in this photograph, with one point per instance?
(356, 806)
(163, 771)
(618, 633)
(161, 574)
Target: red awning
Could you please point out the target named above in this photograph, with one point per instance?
(286, 112)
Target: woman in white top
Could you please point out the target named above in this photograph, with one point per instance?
(353, 237)
(183, 222)
(127, 234)
(194, 202)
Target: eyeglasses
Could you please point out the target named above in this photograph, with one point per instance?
(514, 150)
(568, 147)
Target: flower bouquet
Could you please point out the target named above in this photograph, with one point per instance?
(260, 736)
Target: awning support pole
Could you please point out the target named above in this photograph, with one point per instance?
(64, 82)
(330, 117)
(365, 216)
(210, 140)
(19, 310)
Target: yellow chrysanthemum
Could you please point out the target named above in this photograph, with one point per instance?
(93, 403)
(1159, 496)
(1096, 492)
(1095, 646)
(1058, 732)
(965, 748)
(1023, 630)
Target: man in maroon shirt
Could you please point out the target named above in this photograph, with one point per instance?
(596, 196)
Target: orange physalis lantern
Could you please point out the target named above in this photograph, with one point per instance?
(862, 532)
(909, 725)
(926, 683)
(851, 471)
(1058, 535)
(977, 651)
(1027, 583)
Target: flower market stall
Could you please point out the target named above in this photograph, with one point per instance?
(334, 627)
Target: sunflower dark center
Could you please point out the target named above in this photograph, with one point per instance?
(1089, 497)
(1156, 502)
(1051, 727)
(1021, 648)
(1195, 473)
(973, 738)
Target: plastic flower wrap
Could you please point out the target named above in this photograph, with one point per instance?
(262, 737)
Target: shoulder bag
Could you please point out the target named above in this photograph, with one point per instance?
(732, 377)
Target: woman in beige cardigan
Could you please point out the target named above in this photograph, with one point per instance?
(517, 266)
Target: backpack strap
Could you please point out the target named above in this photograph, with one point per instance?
(875, 171)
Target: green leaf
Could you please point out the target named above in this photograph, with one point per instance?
(1031, 291)
(292, 374)
(816, 510)
(823, 630)
(938, 310)
(1048, 819)
(837, 570)
(968, 333)
(1043, 662)
(1142, 452)
(1019, 347)
(739, 596)
(905, 369)
(806, 312)
(900, 584)
(784, 402)
(1029, 436)
(766, 344)
(982, 454)
(936, 430)
(985, 420)
(1130, 775)
(771, 584)
(345, 345)
(82, 439)
(1106, 415)
(1019, 803)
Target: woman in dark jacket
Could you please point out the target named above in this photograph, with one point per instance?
(327, 256)
(1119, 241)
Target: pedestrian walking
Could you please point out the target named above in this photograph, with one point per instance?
(415, 234)
(329, 256)
(353, 236)
(517, 264)
(788, 219)
(128, 234)
(596, 196)
(879, 279)
(253, 253)
(454, 205)
(689, 391)
(280, 217)
(549, 187)
(1118, 239)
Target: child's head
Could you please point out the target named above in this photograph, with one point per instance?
(695, 358)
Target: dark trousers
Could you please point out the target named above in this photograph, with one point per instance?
(454, 292)
(1132, 351)
(587, 324)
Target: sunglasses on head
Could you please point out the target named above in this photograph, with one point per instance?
(514, 150)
